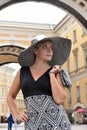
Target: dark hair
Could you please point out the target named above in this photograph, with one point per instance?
(42, 42)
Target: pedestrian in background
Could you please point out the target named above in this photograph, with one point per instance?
(10, 121)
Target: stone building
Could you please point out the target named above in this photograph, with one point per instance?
(14, 37)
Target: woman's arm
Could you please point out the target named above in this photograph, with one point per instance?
(58, 91)
(15, 87)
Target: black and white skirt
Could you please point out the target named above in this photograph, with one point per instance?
(45, 114)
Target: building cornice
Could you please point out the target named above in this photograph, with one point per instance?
(78, 75)
(16, 25)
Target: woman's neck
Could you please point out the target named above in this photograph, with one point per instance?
(40, 65)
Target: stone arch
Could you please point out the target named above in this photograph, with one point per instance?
(78, 9)
(9, 53)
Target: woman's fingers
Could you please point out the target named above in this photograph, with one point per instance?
(23, 117)
(25, 111)
(56, 69)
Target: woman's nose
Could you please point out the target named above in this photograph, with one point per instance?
(49, 48)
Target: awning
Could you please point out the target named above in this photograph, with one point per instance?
(81, 110)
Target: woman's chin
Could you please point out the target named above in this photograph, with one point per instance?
(49, 60)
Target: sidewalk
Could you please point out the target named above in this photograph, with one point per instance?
(79, 127)
(4, 126)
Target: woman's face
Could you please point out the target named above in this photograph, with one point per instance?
(44, 51)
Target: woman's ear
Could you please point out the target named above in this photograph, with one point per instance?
(35, 51)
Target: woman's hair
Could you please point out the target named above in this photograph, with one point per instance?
(42, 42)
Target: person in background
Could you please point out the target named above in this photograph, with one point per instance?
(40, 82)
(10, 121)
(2, 120)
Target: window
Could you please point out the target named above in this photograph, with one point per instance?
(85, 56)
(78, 93)
(86, 90)
(84, 47)
(2, 92)
(69, 96)
(76, 62)
(82, 4)
(83, 32)
(2, 77)
(74, 36)
(68, 66)
(6, 89)
(75, 53)
(2, 108)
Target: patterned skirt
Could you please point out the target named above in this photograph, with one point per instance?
(45, 114)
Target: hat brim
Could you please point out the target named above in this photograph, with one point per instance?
(61, 51)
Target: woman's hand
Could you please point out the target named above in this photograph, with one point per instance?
(22, 117)
(56, 69)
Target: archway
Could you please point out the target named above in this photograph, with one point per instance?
(9, 54)
(78, 9)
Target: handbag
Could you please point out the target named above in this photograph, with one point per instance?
(65, 79)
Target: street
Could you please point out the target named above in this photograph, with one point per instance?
(21, 127)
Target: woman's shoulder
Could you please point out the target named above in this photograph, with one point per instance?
(24, 68)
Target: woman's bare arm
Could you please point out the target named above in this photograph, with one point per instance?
(58, 90)
(15, 87)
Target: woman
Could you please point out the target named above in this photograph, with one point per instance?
(41, 85)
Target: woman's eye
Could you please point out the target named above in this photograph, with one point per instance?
(44, 46)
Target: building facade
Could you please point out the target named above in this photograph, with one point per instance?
(6, 78)
(76, 64)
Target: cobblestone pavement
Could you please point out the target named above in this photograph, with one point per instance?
(21, 127)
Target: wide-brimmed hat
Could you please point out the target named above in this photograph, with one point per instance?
(61, 51)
